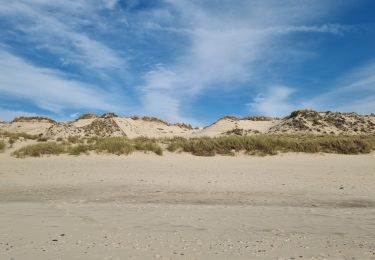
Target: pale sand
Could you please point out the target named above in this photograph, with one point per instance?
(183, 207)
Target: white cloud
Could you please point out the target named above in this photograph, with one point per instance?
(55, 26)
(228, 43)
(49, 89)
(274, 102)
(8, 115)
(352, 92)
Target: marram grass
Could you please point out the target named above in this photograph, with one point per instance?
(2, 146)
(273, 144)
(111, 145)
(205, 146)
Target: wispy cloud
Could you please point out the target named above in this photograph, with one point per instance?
(276, 101)
(49, 89)
(354, 91)
(229, 48)
(7, 115)
(56, 26)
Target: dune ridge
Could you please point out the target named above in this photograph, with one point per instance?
(110, 124)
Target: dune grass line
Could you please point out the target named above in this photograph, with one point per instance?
(273, 144)
(111, 145)
(261, 144)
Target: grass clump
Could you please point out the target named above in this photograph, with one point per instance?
(117, 145)
(114, 145)
(36, 150)
(146, 144)
(2, 146)
(16, 136)
(78, 149)
(74, 139)
(123, 145)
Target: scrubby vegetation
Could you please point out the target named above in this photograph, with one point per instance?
(273, 144)
(76, 146)
(33, 119)
(87, 116)
(259, 144)
(36, 150)
(11, 138)
(2, 145)
(16, 136)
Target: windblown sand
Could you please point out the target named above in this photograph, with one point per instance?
(291, 206)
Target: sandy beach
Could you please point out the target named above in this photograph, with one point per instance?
(179, 206)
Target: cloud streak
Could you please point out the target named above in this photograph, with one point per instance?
(227, 49)
(352, 92)
(49, 89)
(274, 102)
(56, 26)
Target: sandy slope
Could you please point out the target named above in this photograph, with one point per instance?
(135, 128)
(224, 125)
(33, 128)
(183, 207)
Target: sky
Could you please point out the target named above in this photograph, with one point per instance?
(188, 61)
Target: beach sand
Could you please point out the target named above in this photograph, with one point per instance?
(178, 206)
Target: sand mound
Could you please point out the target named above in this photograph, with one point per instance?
(30, 125)
(152, 127)
(34, 119)
(230, 125)
(109, 124)
(312, 122)
(87, 116)
(101, 127)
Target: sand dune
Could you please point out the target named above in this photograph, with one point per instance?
(302, 121)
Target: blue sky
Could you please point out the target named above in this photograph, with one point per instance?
(186, 60)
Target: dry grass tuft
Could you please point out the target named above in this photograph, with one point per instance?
(87, 116)
(16, 136)
(2, 146)
(36, 150)
(33, 119)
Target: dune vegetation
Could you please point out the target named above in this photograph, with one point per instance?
(15, 136)
(260, 144)
(77, 146)
(273, 144)
(2, 146)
